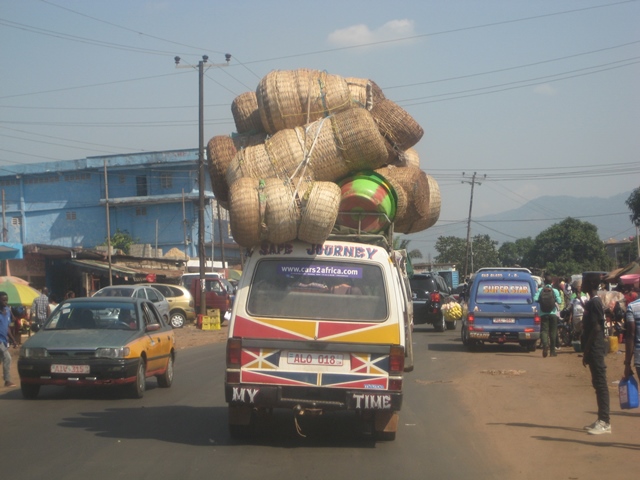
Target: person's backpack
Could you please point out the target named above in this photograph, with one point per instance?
(547, 299)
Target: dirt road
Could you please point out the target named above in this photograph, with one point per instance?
(531, 411)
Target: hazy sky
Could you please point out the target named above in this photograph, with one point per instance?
(539, 96)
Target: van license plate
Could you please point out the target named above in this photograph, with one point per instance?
(56, 368)
(504, 320)
(326, 359)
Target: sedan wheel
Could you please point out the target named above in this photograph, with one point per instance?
(166, 379)
(138, 387)
(177, 320)
(29, 390)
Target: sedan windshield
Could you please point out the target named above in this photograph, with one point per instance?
(93, 316)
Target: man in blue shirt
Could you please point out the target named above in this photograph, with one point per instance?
(5, 336)
(548, 319)
(632, 339)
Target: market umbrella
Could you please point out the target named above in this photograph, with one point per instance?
(19, 294)
(11, 278)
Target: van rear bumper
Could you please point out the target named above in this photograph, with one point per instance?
(277, 396)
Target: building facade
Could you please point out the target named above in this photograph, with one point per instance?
(151, 196)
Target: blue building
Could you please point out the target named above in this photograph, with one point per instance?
(151, 196)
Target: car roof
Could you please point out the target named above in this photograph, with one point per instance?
(119, 300)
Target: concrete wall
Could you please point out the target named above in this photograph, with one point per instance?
(63, 203)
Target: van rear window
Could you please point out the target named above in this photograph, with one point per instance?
(504, 291)
(318, 290)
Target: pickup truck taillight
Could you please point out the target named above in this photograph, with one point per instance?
(470, 317)
(536, 319)
(234, 352)
(435, 297)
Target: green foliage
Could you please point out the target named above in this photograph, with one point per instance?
(121, 240)
(483, 252)
(633, 202)
(569, 247)
(400, 243)
(516, 253)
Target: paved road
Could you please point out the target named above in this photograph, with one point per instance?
(181, 432)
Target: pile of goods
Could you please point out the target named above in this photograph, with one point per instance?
(314, 152)
(452, 311)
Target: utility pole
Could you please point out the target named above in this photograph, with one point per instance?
(202, 258)
(106, 203)
(473, 182)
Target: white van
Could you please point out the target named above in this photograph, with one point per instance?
(318, 328)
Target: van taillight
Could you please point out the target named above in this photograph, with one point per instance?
(234, 352)
(536, 319)
(396, 360)
(471, 318)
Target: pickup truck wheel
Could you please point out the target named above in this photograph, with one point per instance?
(440, 325)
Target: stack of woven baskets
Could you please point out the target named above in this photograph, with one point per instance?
(301, 136)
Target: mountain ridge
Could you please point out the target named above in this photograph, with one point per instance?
(610, 215)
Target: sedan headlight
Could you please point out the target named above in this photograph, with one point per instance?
(31, 352)
(120, 352)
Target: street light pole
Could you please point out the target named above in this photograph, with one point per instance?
(202, 257)
(468, 248)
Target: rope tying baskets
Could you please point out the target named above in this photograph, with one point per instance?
(364, 93)
(291, 98)
(325, 150)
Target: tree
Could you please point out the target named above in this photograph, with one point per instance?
(400, 243)
(454, 249)
(633, 202)
(483, 253)
(121, 240)
(450, 250)
(569, 247)
(516, 253)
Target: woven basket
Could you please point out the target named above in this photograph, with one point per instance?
(435, 203)
(220, 152)
(291, 98)
(364, 93)
(319, 211)
(396, 125)
(282, 213)
(244, 140)
(246, 115)
(415, 184)
(347, 142)
(244, 212)
(286, 151)
(253, 162)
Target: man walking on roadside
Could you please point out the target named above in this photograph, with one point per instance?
(5, 337)
(594, 351)
(549, 299)
(40, 309)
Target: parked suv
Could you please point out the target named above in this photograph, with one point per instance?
(429, 291)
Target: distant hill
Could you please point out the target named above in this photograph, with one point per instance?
(610, 215)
